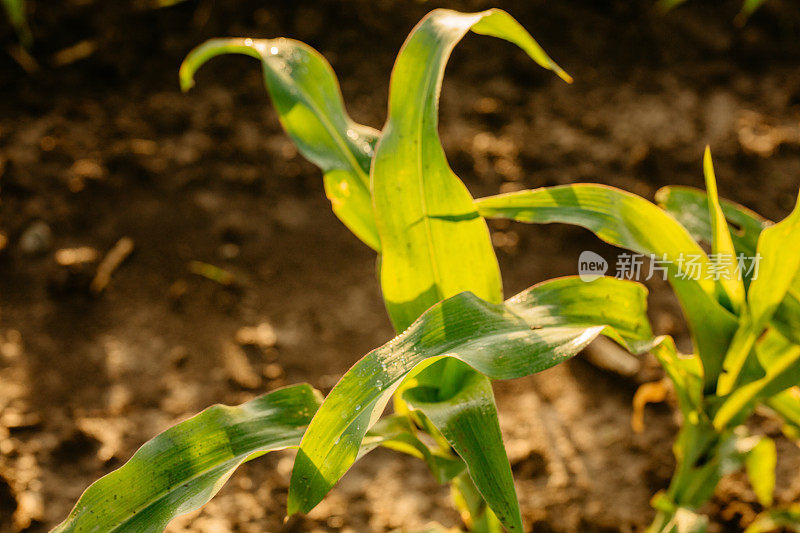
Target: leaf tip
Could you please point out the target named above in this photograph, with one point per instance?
(186, 81)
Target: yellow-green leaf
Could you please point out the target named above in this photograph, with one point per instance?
(305, 92)
(434, 243)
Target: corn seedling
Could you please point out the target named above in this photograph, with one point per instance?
(745, 325)
(442, 290)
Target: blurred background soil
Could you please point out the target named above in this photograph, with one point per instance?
(97, 144)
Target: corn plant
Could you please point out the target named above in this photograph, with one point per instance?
(442, 289)
(745, 325)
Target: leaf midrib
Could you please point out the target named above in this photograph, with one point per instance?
(329, 127)
(423, 202)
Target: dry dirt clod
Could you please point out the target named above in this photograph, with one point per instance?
(239, 369)
(263, 336)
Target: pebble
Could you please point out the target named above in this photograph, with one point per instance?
(36, 239)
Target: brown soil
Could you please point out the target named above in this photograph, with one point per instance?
(106, 147)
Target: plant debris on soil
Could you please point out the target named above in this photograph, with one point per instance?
(241, 280)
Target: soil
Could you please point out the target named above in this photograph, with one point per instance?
(98, 144)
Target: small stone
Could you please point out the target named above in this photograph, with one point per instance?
(36, 239)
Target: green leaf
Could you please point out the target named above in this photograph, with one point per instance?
(778, 267)
(15, 9)
(631, 222)
(569, 301)
(688, 206)
(181, 469)
(397, 433)
(749, 7)
(184, 467)
(305, 92)
(686, 374)
(760, 465)
(428, 226)
(469, 502)
(704, 457)
(781, 360)
(787, 405)
(469, 422)
(787, 318)
(780, 263)
(730, 286)
(495, 340)
(668, 5)
(779, 519)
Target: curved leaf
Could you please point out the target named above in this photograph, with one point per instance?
(631, 222)
(181, 469)
(428, 226)
(468, 421)
(305, 92)
(493, 339)
(184, 467)
(397, 433)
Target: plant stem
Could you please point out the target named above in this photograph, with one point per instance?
(699, 450)
(475, 513)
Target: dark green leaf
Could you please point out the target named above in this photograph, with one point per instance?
(469, 422)
(181, 469)
(496, 340)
